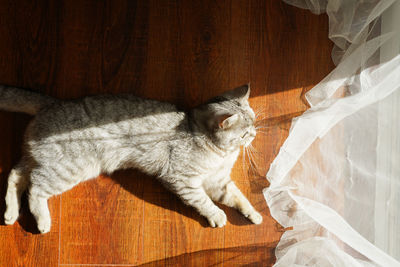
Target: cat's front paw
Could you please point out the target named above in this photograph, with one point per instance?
(218, 219)
(255, 217)
(44, 225)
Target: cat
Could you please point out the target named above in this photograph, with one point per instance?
(70, 141)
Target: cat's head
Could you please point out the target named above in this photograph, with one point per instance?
(229, 119)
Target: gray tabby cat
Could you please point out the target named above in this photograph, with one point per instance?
(192, 153)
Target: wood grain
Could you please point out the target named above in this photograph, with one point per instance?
(173, 50)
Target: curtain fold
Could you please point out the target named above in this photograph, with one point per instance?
(336, 179)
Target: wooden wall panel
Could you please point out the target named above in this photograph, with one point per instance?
(174, 50)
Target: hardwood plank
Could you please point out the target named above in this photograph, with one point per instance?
(199, 64)
(167, 242)
(277, 89)
(179, 51)
(21, 244)
(164, 80)
(173, 229)
(29, 43)
(102, 47)
(27, 58)
(102, 221)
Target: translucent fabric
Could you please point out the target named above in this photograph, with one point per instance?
(336, 179)
(350, 21)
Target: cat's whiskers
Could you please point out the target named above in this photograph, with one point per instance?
(253, 148)
(262, 127)
(252, 165)
(260, 118)
(259, 111)
(262, 123)
(253, 158)
(262, 132)
(244, 160)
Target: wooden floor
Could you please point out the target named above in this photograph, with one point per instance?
(178, 51)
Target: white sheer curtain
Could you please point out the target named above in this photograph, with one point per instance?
(336, 179)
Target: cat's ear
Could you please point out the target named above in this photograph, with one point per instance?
(240, 94)
(227, 120)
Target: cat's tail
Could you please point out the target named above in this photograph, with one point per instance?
(20, 100)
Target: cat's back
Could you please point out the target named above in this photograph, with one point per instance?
(118, 112)
(124, 107)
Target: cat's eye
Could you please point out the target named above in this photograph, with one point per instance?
(244, 135)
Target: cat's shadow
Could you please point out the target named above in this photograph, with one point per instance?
(144, 187)
(154, 193)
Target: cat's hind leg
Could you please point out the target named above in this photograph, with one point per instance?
(39, 208)
(49, 181)
(17, 184)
